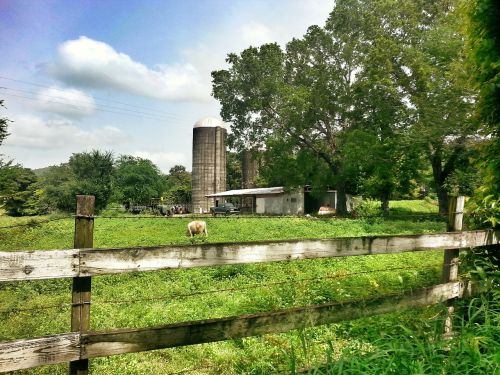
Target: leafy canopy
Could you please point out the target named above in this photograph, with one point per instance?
(136, 180)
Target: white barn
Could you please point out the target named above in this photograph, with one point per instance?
(277, 201)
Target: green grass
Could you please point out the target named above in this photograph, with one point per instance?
(413, 207)
(399, 345)
(148, 232)
(426, 208)
(166, 294)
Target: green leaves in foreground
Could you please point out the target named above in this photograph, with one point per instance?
(408, 349)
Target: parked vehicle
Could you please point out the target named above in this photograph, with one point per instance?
(224, 208)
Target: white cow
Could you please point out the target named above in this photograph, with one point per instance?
(197, 227)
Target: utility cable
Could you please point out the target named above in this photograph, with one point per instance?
(99, 98)
(248, 287)
(71, 103)
(83, 109)
(254, 286)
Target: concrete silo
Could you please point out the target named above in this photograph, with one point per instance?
(209, 162)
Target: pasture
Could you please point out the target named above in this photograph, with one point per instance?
(36, 308)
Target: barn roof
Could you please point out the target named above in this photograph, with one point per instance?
(246, 192)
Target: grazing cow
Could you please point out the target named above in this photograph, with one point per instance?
(197, 227)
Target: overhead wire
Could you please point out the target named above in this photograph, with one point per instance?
(254, 286)
(83, 109)
(71, 103)
(96, 97)
(224, 290)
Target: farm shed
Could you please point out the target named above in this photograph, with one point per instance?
(278, 201)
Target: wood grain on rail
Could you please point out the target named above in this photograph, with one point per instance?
(32, 265)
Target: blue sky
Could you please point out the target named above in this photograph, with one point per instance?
(131, 77)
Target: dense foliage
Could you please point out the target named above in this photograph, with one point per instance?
(485, 46)
(178, 185)
(127, 180)
(136, 180)
(371, 99)
(3, 125)
(58, 187)
(18, 193)
(92, 171)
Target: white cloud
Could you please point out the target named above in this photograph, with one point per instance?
(92, 63)
(164, 160)
(270, 23)
(28, 131)
(67, 102)
(256, 34)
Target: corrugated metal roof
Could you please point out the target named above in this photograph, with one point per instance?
(240, 192)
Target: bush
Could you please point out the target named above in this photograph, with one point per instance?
(365, 208)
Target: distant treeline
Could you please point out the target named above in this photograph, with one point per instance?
(124, 180)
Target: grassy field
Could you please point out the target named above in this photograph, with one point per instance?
(149, 299)
(413, 207)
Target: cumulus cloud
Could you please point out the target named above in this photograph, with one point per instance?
(92, 63)
(86, 62)
(67, 102)
(30, 131)
(270, 23)
(164, 160)
(256, 34)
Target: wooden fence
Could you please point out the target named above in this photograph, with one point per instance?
(84, 262)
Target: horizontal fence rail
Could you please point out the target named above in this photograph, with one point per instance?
(22, 354)
(49, 264)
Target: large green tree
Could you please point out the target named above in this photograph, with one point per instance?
(385, 71)
(300, 99)
(436, 82)
(484, 32)
(3, 125)
(58, 187)
(18, 190)
(92, 171)
(136, 180)
(17, 184)
(306, 101)
(178, 185)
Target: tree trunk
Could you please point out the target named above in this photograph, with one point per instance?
(442, 199)
(341, 200)
(439, 180)
(384, 205)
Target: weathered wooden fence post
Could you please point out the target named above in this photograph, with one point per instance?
(450, 262)
(80, 311)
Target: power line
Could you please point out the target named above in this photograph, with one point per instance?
(67, 102)
(96, 97)
(97, 109)
(248, 287)
(261, 285)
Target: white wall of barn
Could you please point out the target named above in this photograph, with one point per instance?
(281, 204)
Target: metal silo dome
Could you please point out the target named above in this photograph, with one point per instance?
(210, 122)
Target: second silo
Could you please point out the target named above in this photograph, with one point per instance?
(209, 162)
(249, 168)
